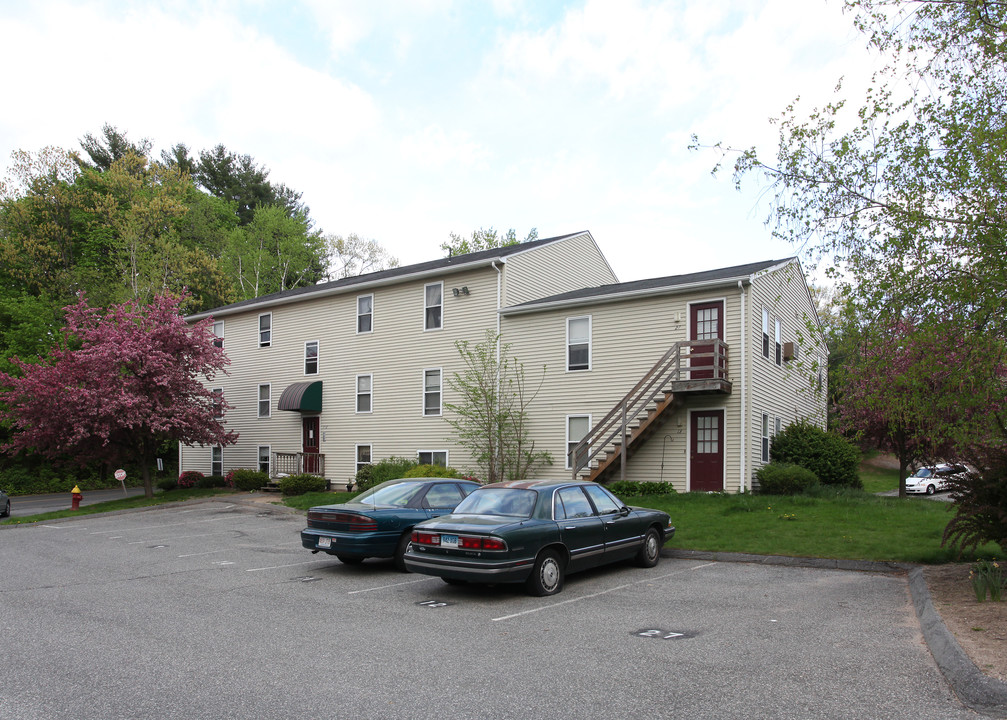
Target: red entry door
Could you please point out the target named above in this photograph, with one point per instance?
(309, 434)
(707, 322)
(706, 451)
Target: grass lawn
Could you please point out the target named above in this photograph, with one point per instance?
(849, 524)
(124, 504)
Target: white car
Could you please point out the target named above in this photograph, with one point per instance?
(931, 478)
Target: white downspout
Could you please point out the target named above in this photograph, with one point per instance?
(744, 388)
(499, 300)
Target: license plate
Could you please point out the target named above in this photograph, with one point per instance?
(324, 542)
(450, 541)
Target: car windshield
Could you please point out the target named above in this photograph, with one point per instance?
(395, 494)
(511, 502)
(923, 473)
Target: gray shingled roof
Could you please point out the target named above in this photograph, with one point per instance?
(418, 268)
(651, 285)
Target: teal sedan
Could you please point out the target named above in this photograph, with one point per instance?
(378, 522)
(536, 532)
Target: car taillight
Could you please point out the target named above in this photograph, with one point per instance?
(426, 538)
(475, 543)
(356, 523)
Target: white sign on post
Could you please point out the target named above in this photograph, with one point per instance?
(120, 475)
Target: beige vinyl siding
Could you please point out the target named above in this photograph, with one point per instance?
(395, 354)
(555, 268)
(788, 391)
(628, 337)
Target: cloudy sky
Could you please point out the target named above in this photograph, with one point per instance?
(406, 120)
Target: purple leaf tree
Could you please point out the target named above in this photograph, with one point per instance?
(119, 383)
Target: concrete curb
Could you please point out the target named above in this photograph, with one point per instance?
(975, 690)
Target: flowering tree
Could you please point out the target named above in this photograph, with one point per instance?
(120, 383)
(920, 392)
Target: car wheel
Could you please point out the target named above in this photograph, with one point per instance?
(400, 552)
(650, 552)
(931, 489)
(6, 511)
(547, 576)
(349, 559)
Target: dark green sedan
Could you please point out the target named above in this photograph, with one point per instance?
(536, 532)
(378, 522)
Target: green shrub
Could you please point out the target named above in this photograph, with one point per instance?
(189, 478)
(211, 481)
(249, 480)
(167, 484)
(421, 471)
(390, 468)
(778, 478)
(631, 488)
(832, 458)
(300, 484)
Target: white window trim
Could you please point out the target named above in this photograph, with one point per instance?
(590, 343)
(214, 449)
(356, 456)
(426, 307)
(259, 330)
(778, 349)
(269, 458)
(218, 336)
(259, 399)
(318, 357)
(567, 447)
(447, 458)
(371, 296)
(357, 394)
(440, 391)
(219, 392)
(766, 340)
(765, 443)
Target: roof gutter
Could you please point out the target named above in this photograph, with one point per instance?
(344, 289)
(619, 297)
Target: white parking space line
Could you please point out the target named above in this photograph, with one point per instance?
(155, 527)
(209, 552)
(383, 587)
(603, 592)
(277, 567)
(177, 537)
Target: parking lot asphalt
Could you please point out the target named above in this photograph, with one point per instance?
(213, 610)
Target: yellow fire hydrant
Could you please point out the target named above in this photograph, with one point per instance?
(77, 497)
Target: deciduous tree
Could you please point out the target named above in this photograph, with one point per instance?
(491, 416)
(484, 240)
(352, 255)
(119, 383)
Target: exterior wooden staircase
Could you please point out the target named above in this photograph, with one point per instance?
(689, 367)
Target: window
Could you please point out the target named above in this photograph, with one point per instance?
(578, 343)
(577, 427)
(432, 457)
(433, 306)
(779, 346)
(264, 455)
(218, 333)
(765, 333)
(265, 401)
(363, 456)
(778, 428)
(765, 437)
(364, 384)
(443, 496)
(216, 460)
(572, 503)
(311, 357)
(265, 330)
(365, 313)
(603, 501)
(218, 403)
(432, 392)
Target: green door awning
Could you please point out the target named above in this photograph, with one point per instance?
(302, 397)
